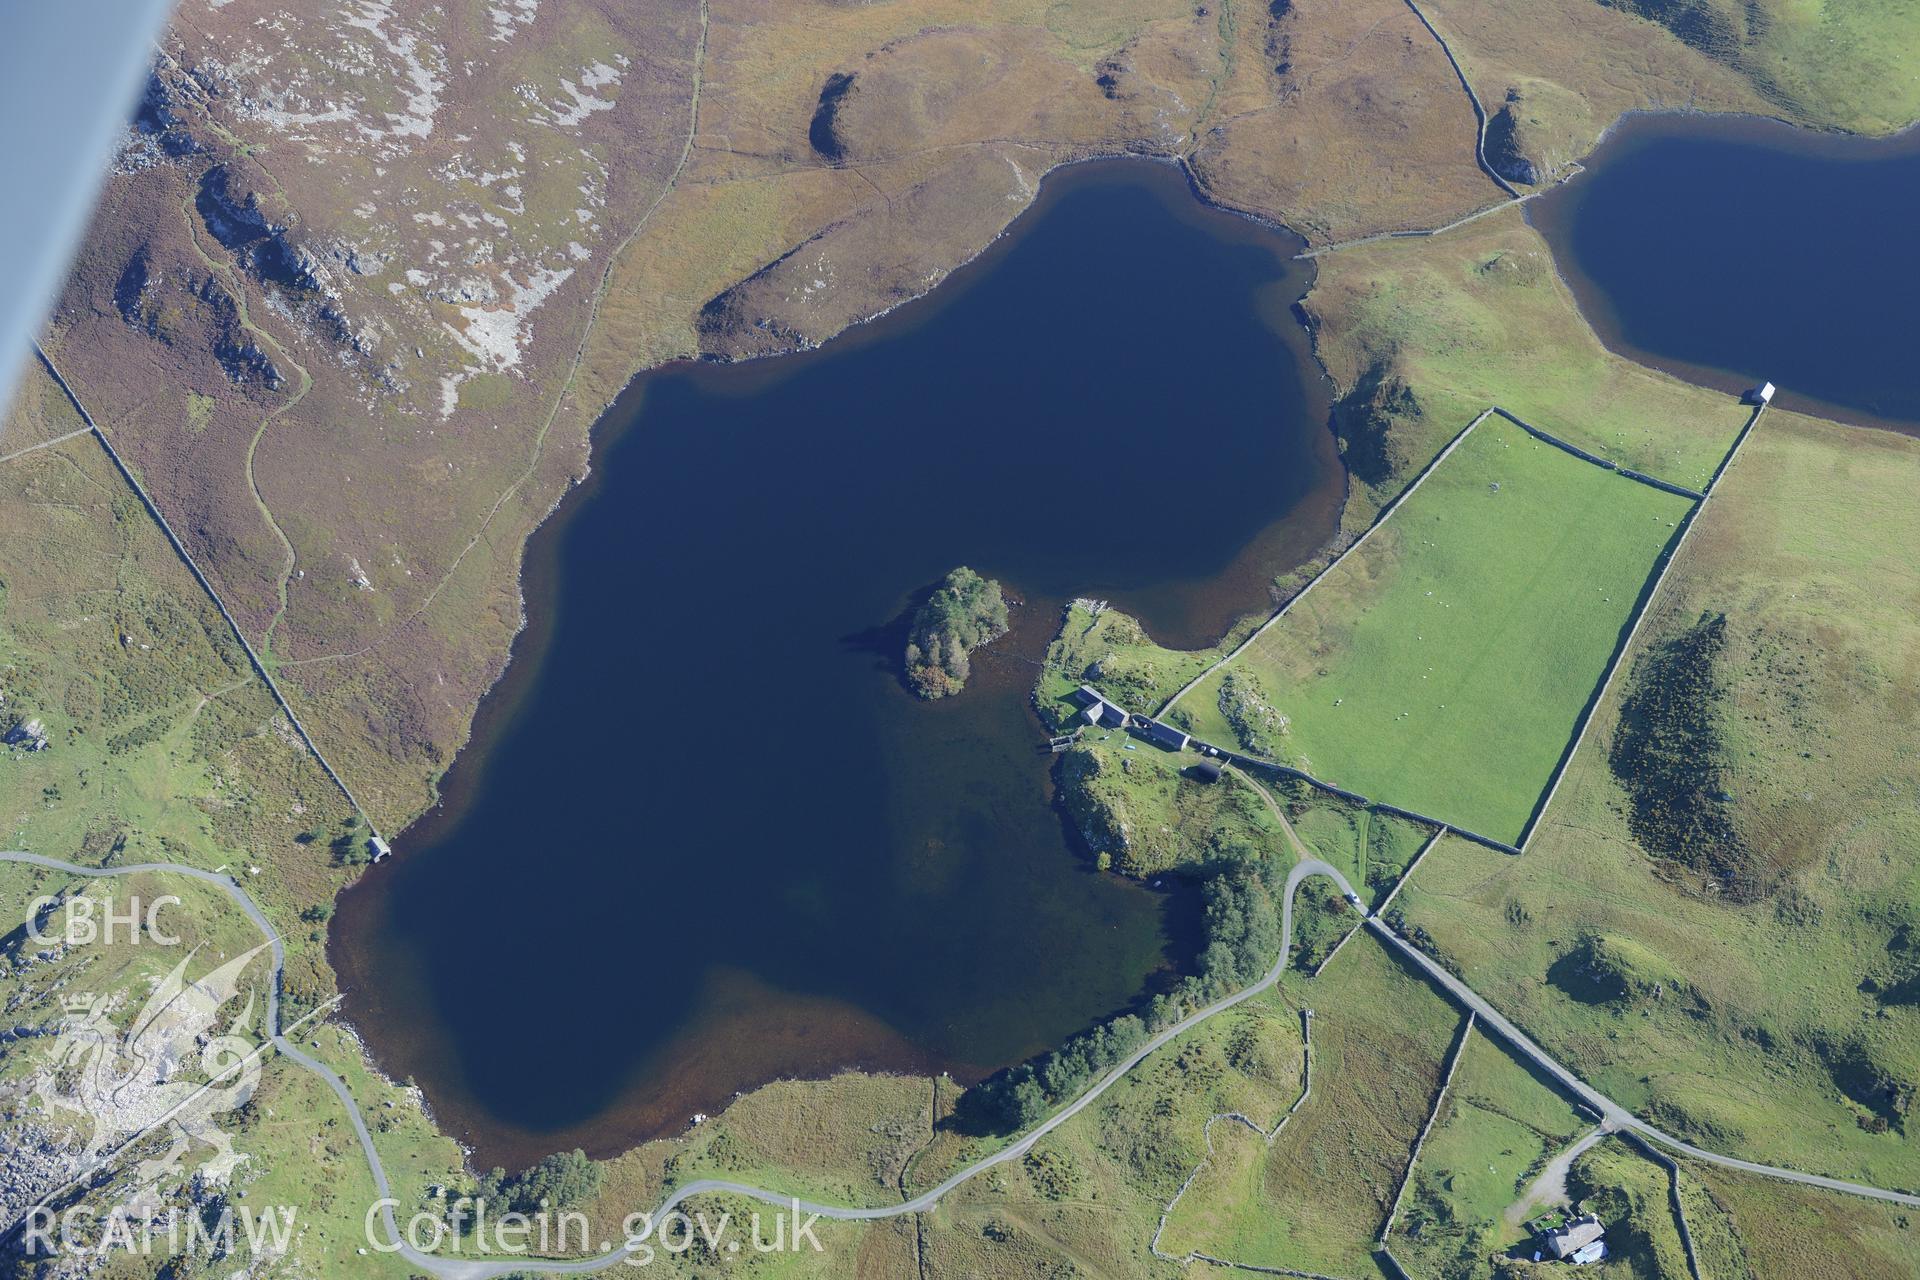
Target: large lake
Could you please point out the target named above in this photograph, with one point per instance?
(703, 837)
(1732, 250)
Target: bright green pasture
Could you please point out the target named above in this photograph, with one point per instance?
(1497, 1129)
(1314, 1198)
(1443, 665)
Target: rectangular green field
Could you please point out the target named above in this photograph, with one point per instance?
(1443, 665)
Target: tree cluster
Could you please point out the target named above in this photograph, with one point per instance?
(1670, 756)
(1242, 923)
(563, 1180)
(963, 613)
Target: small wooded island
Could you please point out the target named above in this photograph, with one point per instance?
(963, 613)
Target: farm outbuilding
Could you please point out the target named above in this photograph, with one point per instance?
(1578, 1241)
(1162, 735)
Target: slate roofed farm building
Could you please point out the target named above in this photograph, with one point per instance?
(1103, 713)
(1578, 1241)
(1207, 770)
(1162, 735)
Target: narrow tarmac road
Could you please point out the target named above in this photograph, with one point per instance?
(448, 1268)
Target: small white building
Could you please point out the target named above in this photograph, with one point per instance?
(1762, 394)
(379, 848)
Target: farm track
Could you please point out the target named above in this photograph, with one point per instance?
(1615, 1117)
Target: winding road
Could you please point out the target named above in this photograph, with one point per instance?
(1615, 1117)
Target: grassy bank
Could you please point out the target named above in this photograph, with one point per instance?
(1752, 988)
(1479, 317)
(1497, 1129)
(1315, 1198)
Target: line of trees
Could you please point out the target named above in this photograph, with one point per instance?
(1242, 929)
(564, 1180)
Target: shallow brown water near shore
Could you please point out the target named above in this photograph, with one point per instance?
(703, 838)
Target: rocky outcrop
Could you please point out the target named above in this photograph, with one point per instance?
(1366, 421)
(1721, 29)
(824, 132)
(1886, 1098)
(1250, 712)
(1504, 148)
(1096, 805)
(240, 357)
(1279, 46)
(1716, 28)
(260, 245)
(734, 325)
(1611, 969)
(132, 294)
(857, 268)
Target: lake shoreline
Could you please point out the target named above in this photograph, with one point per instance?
(540, 609)
(1554, 213)
(600, 435)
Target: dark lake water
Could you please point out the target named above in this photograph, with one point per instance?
(703, 837)
(1733, 250)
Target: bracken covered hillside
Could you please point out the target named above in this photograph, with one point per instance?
(366, 272)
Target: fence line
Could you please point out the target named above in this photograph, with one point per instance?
(1352, 547)
(1383, 1252)
(1413, 233)
(1626, 646)
(1286, 770)
(1686, 528)
(1413, 866)
(206, 584)
(1384, 902)
(1548, 437)
(1479, 111)
(1267, 1135)
(1446, 1081)
(1672, 1167)
(44, 444)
